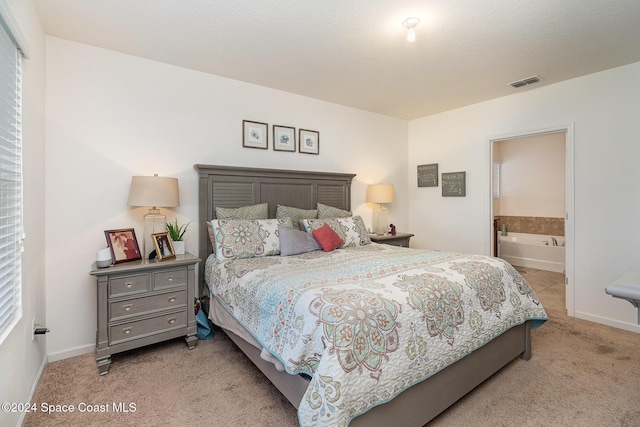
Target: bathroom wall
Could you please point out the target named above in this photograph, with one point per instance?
(532, 184)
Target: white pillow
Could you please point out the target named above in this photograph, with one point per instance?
(352, 229)
(246, 238)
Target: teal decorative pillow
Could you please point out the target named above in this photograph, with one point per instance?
(326, 211)
(351, 230)
(246, 238)
(260, 211)
(295, 214)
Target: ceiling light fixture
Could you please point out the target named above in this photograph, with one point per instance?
(411, 23)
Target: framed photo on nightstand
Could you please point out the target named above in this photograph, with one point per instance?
(163, 245)
(123, 244)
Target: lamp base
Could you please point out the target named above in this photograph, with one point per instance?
(380, 220)
(154, 222)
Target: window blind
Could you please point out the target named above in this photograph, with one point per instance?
(495, 181)
(10, 182)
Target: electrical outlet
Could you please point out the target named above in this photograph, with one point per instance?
(34, 325)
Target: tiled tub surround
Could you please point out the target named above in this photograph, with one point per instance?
(532, 225)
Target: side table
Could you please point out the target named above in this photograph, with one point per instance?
(144, 302)
(400, 239)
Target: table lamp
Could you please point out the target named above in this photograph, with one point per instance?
(153, 191)
(378, 194)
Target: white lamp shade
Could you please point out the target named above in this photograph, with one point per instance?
(380, 193)
(154, 191)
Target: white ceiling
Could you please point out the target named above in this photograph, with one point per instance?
(355, 53)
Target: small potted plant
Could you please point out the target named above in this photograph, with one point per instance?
(176, 232)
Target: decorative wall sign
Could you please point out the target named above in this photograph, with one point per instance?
(255, 135)
(309, 142)
(428, 175)
(284, 138)
(454, 184)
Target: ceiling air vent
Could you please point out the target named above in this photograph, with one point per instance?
(524, 82)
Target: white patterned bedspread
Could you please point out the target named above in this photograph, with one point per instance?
(370, 321)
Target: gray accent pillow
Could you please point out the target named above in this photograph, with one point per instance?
(325, 211)
(295, 214)
(294, 242)
(260, 211)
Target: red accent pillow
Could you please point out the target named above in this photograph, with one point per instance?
(328, 239)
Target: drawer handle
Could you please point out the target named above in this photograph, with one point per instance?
(129, 284)
(126, 307)
(172, 299)
(171, 320)
(170, 278)
(126, 331)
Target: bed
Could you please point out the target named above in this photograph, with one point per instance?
(394, 374)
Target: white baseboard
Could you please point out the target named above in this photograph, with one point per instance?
(33, 388)
(632, 327)
(78, 351)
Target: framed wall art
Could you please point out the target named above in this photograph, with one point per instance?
(123, 245)
(255, 135)
(454, 184)
(309, 141)
(163, 245)
(428, 175)
(284, 138)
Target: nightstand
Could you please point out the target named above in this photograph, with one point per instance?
(144, 302)
(400, 239)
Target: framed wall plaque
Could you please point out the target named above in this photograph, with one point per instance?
(428, 175)
(454, 184)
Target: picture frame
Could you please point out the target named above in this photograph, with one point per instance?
(284, 138)
(309, 141)
(163, 245)
(454, 184)
(123, 245)
(428, 175)
(255, 134)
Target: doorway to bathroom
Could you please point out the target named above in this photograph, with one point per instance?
(531, 202)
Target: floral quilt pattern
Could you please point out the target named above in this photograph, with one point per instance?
(367, 322)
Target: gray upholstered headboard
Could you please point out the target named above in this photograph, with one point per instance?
(233, 187)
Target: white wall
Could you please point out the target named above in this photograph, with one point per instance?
(111, 116)
(532, 176)
(603, 108)
(21, 360)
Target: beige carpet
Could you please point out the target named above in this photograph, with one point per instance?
(581, 374)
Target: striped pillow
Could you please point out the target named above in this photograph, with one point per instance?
(295, 214)
(260, 211)
(325, 211)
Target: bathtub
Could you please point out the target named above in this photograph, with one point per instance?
(533, 250)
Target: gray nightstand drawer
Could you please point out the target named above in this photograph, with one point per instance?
(128, 285)
(151, 326)
(169, 278)
(144, 305)
(404, 243)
